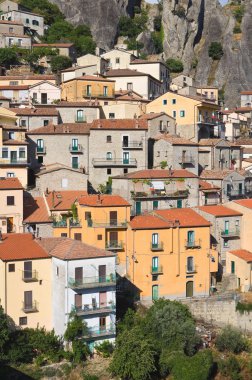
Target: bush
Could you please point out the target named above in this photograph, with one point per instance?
(180, 12)
(244, 307)
(157, 23)
(8, 57)
(175, 65)
(157, 41)
(231, 340)
(237, 29)
(60, 62)
(87, 376)
(230, 368)
(215, 51)
(105, 348)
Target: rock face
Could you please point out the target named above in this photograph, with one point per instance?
(101, 16)
(188, 37)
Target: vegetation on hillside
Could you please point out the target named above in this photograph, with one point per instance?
(215, 51)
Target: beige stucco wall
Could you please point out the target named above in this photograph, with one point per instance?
(242, 271)
(15, 211)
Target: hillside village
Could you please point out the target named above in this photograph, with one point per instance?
(117, 179)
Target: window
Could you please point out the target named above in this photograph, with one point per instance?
(173, 101)
(182, 113)
(109, 156)
(161, 125)
(225, 243)
(154, 264)
(34, 97)
(11, 41)
(232, 267)
(89, 90)
(11, 268)
(87, 215)
(21, 152)
(35, 22)
(27, 270)
(63, 234)
(174, 114)
(164, 102)
(99, 237)
(75, 162)
(11, 135)
(45, 122)
(19, 42)
(190, 264)
(40, 159)
(57, 271)
(80, 117)
(190, 238)
(4, 152)
(130, 86)
(11, 30)
(109, 171)
(23, 123)
(117, 60)
(237, 223)
(105, 103)
(154, 240)
(75, 144)
(105, 90)
(125, 171)
(27, 21)
(10, 200)
(111, 115)
(109, 139)
(28, 300)
(154, 292)
(22, 321)
(40, 145)
(13, 82)
(77, 236)
(179, 203)
(10, 175)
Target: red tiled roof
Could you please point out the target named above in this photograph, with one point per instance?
(91, 78)
(10, 184)
(218, 174)
(246, 92)
(18, 87)
(175, 140)
(159, 173)
(10, 22)
(219, 211)
(128, 73)
(67, 128)
(119, 124)
(63, 200)
(69, 249)
(142, 61)
(14, 142)
(245, 203)
(210, 142)
(92, 103)
(59, 45)
(148, 222)
(21, 247)
(35, 210)
(244, 141)
(103, 201)
(35, 111)
(243, 254)
(40, 77)
(206, 186)
(152, 115)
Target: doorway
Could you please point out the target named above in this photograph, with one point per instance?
(113, 218)
(189, 289)
(13, 156)
(10, 225)
(102, 273)
(125, 141)
(44, 98)
(102, 299)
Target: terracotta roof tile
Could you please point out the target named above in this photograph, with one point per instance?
(57, 166)
(103, 201)
(35, 111)
(204, 185)
(244, 141)
(28, 248)
(244, 202)
(218, 174)
(210, 142)
(14, 142)
(59, 45)
(152, 115)
(23, 77)
(63, 200)
(92, 103)
(35, 210)
(91, 78)
(175, 140)
(219, 211)
(246, 92)
(148, 222)
(11, 22)
(10, 184)
(69, 249)
(66, 128)
(9, 87)
(243, 254)
(159, 173)
(128, 73)
(119, 124)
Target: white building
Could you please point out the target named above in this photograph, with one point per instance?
(84, 281)
(44, 93)
(118, 58)
(32, 21)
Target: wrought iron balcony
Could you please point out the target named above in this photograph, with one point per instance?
(193, 244)
(74, 223)
(157, 246)
(191, 269)
(93, 282)
(59, 223)
(231, 233)
(76, 148)
(156, 270)
(29, 275)
(156, 194)
(99, 162)
(114, 245)
(80, 119)
(187, 159)
(95, 309)
(30, 307)
(13, 161)
(112, 223)
(133, 145)
(98, 331)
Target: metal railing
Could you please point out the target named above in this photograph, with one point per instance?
(191, 269)
(76, 148)
(101, 331)
(193, 244)
(232, 232)
(94, 309)
(235, 193)
(212, 201)
(157, 246)
(29, 275)
(160, 194)
(94, 94)
(41, 150)
(91, 282)
(114, 244)
(59, 223)
(30, 307)
(187, 159)
(74, 222)
(156, 270)
(133, 145)
(112, 223)
(80, 119)
(114, 162)
(11, 161)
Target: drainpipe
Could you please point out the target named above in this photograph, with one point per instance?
(5, 291)
(133, 257)
(178, 274)
(194, 123)
(172, 240)
(67, 294)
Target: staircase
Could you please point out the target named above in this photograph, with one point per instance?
(227, 285)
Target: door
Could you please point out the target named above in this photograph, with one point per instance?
(226, 227)
(40, 145)
(102, 299)
(113, 239)
(155, 205)
(28, 299)
(79, 275)
(190, 238)
(80, 115)
(75, 144)
(102, 323)
(113, 218)
(138, 208)
(155, 292)
(27, 269)
(154, 241)
(78, 301)
(75, 163)
(9, 225)
(232, 267)
(189, 289)
(240, 189)
(44, 98)
(179, 203)
(154, 264)
(13, 155)
(102, 273)
(125, 141)
(228, 189)
(126, 158)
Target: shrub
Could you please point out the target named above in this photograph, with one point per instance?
(87, 376)
(230, 368)
(215, 51)
(157, 41)
(237, 29)
(157, 23)
(60, 62)
(244, 307)
(231, 340)
(163, 164)
(105, 348)
(175, 65)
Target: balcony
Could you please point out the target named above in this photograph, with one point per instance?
(80, 119)
(231, 233)
(187, 160)
(233, 194)
(30, 307)
(157, 247)
(138, 145)
(191, 269)
(59, 223)
(212, 201)
(93, 282)
(208, 120)
(160, 194)
(113, 223)
(130, 162)
(97, 94)
(75, 148)
(74, 223)
(86, 310)
(29, 275)
(114, 245)
(193, 244)
(98, 332)
(11, 161)
(41, 150)
(156, 270)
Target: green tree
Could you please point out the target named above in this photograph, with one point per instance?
(231, 339)
(84, 45)
(215, 51)
(60, 62)
(76, 329)
(49, 11)
(4, 332)
(8, 57)
(175, 65)
(59, 31)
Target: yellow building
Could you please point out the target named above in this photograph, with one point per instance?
(11, 205)
(88, 87)
(169, 255)
(239, 263)
(196, 117)
(25, 281)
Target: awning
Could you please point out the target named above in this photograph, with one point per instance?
(158, 185)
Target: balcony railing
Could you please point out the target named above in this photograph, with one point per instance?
(235, 193)
(133, 145)
(30, 307)
(29, 275)
(95, 309)
(156, 270)
(187, 159)
(94, 94)
(13, 161)
(41, 150)
(231, 233)
(76, 148)
(207, 120)
(98, 331)
(114, 245)
(80, 119)
(113, 223)
(157, 246)
(193, 244)
(74, 222)
(93, 282)
(212, 201)
(191, 269)
(59, 223)
(160, 194)
(114, 162)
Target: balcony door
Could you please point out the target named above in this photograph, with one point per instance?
(79, 275)
(154, 241)
(102, 273)
(13, 156)
(191, 237)
(113, 218)
(78, 301)
(240, 189)
(27, 270)
(125, 141)
(75, 144)
(113, 236)
(226, 227)
(28, 299)
(102, 323)
(103, 299)
(190, 264)
(154, 264)
(126, 158)
(80, 115)
(44, 98)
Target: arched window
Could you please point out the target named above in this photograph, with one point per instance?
(109, 156)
